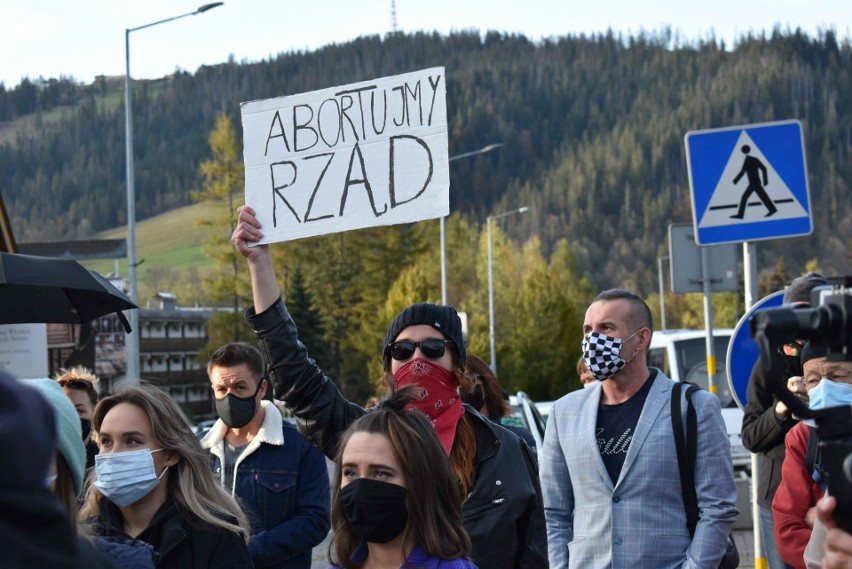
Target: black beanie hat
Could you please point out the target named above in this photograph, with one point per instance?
(444, 318)
(812, 350)
(800, 288)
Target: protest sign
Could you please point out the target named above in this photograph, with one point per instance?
(361, 155)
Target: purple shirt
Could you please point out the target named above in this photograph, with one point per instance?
(419, 558)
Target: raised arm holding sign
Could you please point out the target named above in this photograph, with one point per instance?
(424, 347)
(365, 155)
(361, 155)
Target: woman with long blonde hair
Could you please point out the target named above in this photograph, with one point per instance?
(152, 483)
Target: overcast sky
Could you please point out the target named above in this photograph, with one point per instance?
(49, 38)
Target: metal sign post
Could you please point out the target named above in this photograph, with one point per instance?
(705, 270)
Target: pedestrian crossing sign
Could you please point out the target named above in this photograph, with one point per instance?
(748, 183)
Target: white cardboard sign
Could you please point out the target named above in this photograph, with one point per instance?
(361, 155)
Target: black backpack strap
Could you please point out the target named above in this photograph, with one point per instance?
(685, 445)
(812, 451)
(691, 433)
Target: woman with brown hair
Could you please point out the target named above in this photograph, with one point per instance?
(395, 499)
(487, 397)
(495, 473)
(152, 483)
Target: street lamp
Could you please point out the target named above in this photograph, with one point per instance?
(132, 376)
(482, 150)
(491, 284)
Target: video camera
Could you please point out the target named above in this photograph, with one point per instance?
(829, 321)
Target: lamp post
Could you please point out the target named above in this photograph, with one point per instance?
(662, 291)
(491, 284)
(132, 375)
(482, 150)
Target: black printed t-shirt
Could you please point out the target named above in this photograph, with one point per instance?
(616, 426)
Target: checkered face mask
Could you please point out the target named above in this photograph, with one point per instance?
(602, 354)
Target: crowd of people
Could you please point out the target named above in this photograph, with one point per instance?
(429, 475)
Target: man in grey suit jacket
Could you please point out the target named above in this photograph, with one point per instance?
(609, 470)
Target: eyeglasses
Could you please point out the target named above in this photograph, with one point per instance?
(432, 348)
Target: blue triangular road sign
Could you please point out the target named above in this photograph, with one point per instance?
(748, 183)
(726, 200)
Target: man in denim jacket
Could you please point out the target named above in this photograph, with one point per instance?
(261, 459)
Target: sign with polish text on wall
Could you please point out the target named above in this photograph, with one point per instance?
(361, 155)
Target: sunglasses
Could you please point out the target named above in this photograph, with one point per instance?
(433, 349)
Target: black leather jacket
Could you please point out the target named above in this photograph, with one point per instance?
(181, 540)
(503, 514)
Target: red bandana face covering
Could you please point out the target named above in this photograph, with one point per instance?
(439, 398)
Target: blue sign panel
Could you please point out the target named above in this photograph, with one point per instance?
(743, 351)
(748, 183)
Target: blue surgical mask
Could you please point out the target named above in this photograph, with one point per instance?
(126, 477)
(829, 394)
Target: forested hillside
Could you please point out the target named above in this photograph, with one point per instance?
(592, 131)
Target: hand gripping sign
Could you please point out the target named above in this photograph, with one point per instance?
(361, 155)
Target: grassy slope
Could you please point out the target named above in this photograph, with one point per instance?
(172, 239)
(29, 125)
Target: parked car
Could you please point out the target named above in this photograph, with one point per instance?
(203, 426)
(544, 408)
(525, 413)
(682, 355)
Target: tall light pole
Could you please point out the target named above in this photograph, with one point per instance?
(132, 375)
(482, 150)
(491, 284)
(662, 291)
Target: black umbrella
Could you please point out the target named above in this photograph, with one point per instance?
(44, 289)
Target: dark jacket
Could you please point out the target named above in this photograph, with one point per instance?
(763, 432)
(282, 483)
(181, 540)
(523, 433)
(503, 514)
(35, 532)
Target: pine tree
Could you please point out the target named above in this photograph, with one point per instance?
(221, 191)
(300, 304)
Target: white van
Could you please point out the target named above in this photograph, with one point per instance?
(682, 355)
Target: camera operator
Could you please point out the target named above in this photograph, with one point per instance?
(829, 383)
(767, 420)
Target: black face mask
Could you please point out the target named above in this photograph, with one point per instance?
(236, 411)
(475, 398)
(375, 510)
(86, 425)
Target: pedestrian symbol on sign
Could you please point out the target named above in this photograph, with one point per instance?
(731, 202)
(753, 167)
